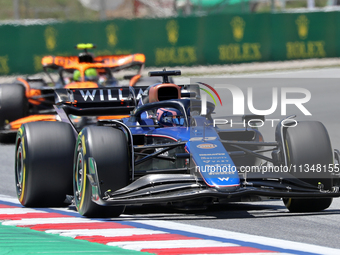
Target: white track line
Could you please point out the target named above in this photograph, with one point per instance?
(9, 199)
(37, 221)
(115, 232)
(139, 245)
(19, 211)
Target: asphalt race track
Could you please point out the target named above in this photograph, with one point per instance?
(268, 218)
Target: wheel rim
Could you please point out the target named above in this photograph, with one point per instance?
(19, 171)
(79, 176)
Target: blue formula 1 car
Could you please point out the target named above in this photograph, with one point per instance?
(167, 152)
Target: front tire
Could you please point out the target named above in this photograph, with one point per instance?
(43, 163)
(308, 144)
(108, 147)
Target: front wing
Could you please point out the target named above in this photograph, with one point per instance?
(160, 188)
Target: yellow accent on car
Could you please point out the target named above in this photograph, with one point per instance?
(289, 202)
(84, 173)
(23, 148)
(21, 198)
(83, 145)
(84, 186)
(288, 156)
(83, 46)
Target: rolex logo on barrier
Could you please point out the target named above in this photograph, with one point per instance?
(238, 24)
(304, 48)
(302, 23)
(177, 55)
(172, 30)
(50, 38)
(4, 69)
(239, 51)
(111, 34)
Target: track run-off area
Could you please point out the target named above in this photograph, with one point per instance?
(30, 231)
(237, 228)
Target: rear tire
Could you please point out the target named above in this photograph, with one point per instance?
(309, 143)
(108, 147)
(43, 163)
(13, 102)
(13, 106)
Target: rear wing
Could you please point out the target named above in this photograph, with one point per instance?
(118, 62)
(109, 101)
(55, 62)
(96, 102)
(115, 62)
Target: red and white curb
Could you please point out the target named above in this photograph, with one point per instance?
(153, 236)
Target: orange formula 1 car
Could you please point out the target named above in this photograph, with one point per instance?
(32, 99)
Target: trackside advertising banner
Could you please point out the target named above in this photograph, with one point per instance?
(208, 40)
(244, 128)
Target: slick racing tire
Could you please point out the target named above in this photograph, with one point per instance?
(109, 149)
(13, 103)
(43, 163)
(13, 106)
(308, 145)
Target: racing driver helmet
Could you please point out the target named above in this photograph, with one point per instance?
(76, 75)
(91, 74)
(170, 117)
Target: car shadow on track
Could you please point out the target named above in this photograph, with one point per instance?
(225, 211)
(220, 211)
